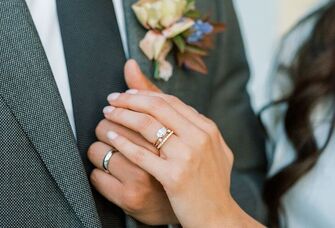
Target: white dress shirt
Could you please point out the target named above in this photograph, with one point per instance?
(310, 202)
(44, 14)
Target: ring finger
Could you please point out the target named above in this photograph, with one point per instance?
(144, 124)
(139, 122)
(96, 155)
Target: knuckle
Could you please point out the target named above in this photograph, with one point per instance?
(146, 122)
(94, 176)
(92, 149)
(101, 127)
(212, 128)
(230, 156)
(138, 156)
(142, 177)
(157, 103)
(133, 200)
(173, 99)
(204, 139)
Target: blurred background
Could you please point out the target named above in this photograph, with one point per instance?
(263, 23)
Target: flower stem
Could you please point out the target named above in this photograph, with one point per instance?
(156, 70)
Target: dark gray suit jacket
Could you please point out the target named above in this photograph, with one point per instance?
(43, 181)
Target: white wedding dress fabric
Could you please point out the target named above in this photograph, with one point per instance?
(311, 201)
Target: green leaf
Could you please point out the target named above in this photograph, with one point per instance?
(196, 50)
(156, 70)
(193, 14)
(180, 43)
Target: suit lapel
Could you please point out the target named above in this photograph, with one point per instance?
(28, 87)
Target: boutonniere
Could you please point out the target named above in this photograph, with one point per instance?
(175, 26)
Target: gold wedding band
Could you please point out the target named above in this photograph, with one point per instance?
(163, 136)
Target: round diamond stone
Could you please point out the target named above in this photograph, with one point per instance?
(161, 132)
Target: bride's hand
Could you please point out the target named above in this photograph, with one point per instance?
(194, 164)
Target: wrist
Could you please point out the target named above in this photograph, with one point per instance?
(231, 215)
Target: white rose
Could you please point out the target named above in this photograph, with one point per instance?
(158, 14)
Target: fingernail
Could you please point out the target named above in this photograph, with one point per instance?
(113, 96)
(111, 135)
(108, 109)
(132, 91)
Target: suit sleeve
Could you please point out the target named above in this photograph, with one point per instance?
(230, 107)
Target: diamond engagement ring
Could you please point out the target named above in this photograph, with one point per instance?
(163, 135)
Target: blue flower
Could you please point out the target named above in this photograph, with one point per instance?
(201, 29)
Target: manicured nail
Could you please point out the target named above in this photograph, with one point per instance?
(108, 109)
(113, 96)
(132, 91)
(111, 135)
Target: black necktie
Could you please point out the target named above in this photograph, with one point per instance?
(95, 59)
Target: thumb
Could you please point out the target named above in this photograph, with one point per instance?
(135, 79)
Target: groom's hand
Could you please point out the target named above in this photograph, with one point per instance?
(126, 185)
(131, 188)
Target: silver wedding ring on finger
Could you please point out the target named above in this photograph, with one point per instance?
(163, 136)
(107, 158)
